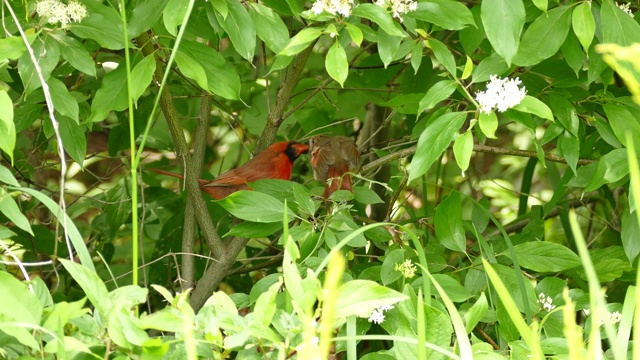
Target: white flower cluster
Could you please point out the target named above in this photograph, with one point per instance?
(335, 7)
(55, 11)
(377, 315)
(501, 94)
(398, 7)
(612, 318)
(625, 8)
(545, 302)
(407, 268)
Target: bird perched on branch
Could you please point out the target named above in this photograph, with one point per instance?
(275, 162)
(332, 157)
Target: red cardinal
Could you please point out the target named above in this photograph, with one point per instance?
(331, 158)
(275, 162)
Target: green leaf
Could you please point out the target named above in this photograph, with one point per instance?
(63, 101)
(173, 15)
(74, 235)
(433, 141)
(387, 47)
(269, 27)
(503, 22)
(573, 54)
(10, 209)
(544, 256)
(192, 69)
(366, 196)
(7, 177)
(7, 126)
(492, 65)
(388, 272)
(473, 316)
(141, 76)
(569, 148)
(221, 8)
(416, 57)
(255, 206)
(355, 33)
(544, 37)
(447, 14)
(301, 40)
(112, 95)
(253, 230)
(468, 68)
(534, 106)
(361, 297)
(73, 138)
(48, 55)
(448, 223)
(541, 4)
(610, 168)
(103, 24)
(584, 26)
(617, 26)
(462, 149)
(336, 63)
(265, 306)
(19, 304)
(438, 92)
(629, 231)
(443, 55)
(622, 121)
(91, 284)
(144, 16)
(13, 47)
(379, 16)
(452, 287)
(488, 124)
(565, 112)
(222, 80)
(240, 28)
(76, 54)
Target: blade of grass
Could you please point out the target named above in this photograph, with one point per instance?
(634, 172)
(529, 336)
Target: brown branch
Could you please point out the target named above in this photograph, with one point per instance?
(477, 148)
(275, 118)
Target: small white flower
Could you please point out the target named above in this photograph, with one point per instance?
(55, 11)
(376, 317)
(398, 7)
(625, 8)
(612, 318)
(501, 94)
(334, 7)
(545, 302)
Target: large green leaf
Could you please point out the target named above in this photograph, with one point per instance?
(145, 14)
(544, 37)
(447, 14)
(379, 16)
(443, 55)
(48, 55)
(492, 65)
(141, 76)
(240, 28)
(438, 92)
(300, 41)
(91, 284)
(361, 297)
(544, 256)
(7, 125)
(584, 26)
(63, 101)
(19, 304)
(448, 223)
(112, 95)
(13, 47)
(10, 209)
(610, 168)
(76, 54)
(503, 22)
(629, 231)
(269, 27)
(388, 46)
(103, 24)
(433, 141)
(255, 206)
(74, 139)
(622, 121)
(336, 63)
(173, 15)
(617, 26)
(222, 80)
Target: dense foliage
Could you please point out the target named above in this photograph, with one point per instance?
(493, 200)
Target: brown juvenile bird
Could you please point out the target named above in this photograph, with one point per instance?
(332, 157)
(275, 162)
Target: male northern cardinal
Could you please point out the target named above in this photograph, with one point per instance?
(275, 162)
(331, 158)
